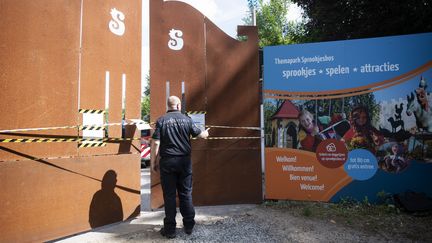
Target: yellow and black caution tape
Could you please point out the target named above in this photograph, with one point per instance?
(36, 129)
(196, 112)
(82, 127)
(37, 140)
(58, 140)
(101, 127)
(91, 145)
(226, 138)
(120, 139)
(92, 127)
(91, 111)
(229, 138)
(93, 140)
(231, 127)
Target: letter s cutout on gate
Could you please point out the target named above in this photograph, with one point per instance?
(176, 41)
(116, 25)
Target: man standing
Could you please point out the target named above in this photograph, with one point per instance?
(171, 142)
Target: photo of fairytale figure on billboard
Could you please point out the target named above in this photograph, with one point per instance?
(362, 134)
(393, 157)
(406, 121)
(394, 123)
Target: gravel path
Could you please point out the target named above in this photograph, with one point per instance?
(234, 223)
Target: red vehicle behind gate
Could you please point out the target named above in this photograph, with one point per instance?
(145, 148)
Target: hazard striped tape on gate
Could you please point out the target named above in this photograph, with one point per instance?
(88, 111)
(91, 145)
(81, 127)
(59, 140)
(229, 138)
(226, 138)
(196, 112)
(231, 127)
(92, 127)
(94, 140)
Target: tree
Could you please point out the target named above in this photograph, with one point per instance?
(271, 19)
(351, 19)
(269, 110)
(272, 23)
(145, 101)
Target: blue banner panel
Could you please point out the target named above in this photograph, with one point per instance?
(341, 65)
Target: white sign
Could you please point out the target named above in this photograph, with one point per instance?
(199, 120)
(93, 119)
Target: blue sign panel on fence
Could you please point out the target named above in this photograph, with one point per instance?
(340, 65)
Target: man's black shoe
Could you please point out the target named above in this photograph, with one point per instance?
(188, 230)
(167, 235)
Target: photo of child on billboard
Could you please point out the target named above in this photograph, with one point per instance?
(361, 133)
(394, 124)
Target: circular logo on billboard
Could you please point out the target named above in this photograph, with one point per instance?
(361, 165)
(331, 153)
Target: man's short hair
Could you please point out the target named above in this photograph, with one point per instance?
(173, 101)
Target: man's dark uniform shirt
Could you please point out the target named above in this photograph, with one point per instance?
(174, 130)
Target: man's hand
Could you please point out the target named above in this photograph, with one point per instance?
(204, 134)
(155, 167)
(154, 164)
(154, 155)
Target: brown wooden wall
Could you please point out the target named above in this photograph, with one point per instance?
(53, 58)
(221, 78)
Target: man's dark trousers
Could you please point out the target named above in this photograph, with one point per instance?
(176, 174)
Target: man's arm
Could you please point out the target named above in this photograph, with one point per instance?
(154, 153)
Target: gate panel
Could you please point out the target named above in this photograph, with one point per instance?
(111, 50)
(49, 198)
(38, 74)
(48, 189)
(221, 77)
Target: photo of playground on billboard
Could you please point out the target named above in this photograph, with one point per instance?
(348, 118)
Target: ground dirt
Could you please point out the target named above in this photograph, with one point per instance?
(356, 222)
(287, 221)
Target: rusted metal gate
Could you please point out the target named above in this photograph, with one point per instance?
(219, 75)
(56, 57)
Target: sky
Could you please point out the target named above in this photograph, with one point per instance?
(226, 14)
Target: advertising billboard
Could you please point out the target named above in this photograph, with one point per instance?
(348, 118)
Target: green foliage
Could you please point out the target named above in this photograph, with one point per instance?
(145, 101)
(347, 202)
(272, 23)
(147, 86)
(145, 108)
(269, 110)
(381, 195)
(273, 26)
(385, 200)
(339, 20)
(307, 212)
(351, 19)
(365, 201)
